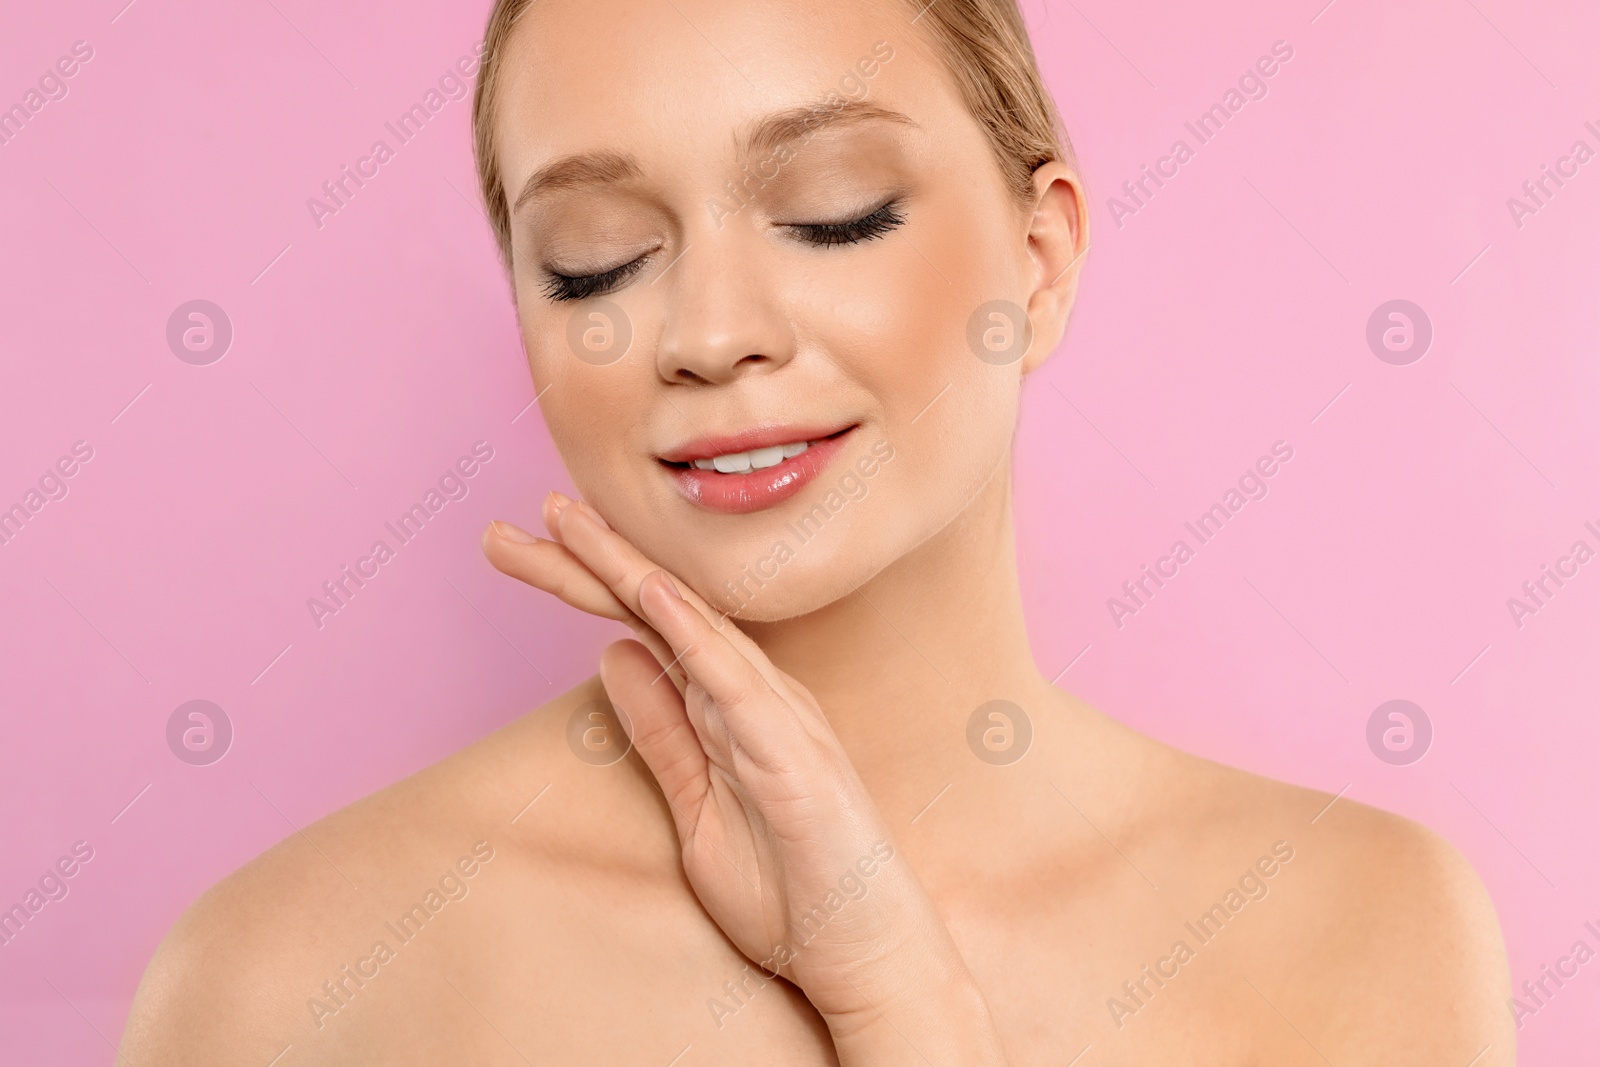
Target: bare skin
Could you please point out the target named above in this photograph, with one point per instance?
(995, 913)
(1060, 877)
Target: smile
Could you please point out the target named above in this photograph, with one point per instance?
(753, 470)
(755, 459)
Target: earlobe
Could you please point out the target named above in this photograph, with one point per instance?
(1058, 241)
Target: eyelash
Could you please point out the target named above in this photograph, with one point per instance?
(868, 227)
(566, 287)
(563, 287)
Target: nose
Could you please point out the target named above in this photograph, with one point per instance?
(723, 315)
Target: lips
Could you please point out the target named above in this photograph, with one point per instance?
(754, 469)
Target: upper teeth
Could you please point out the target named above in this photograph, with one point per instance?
(753, 460)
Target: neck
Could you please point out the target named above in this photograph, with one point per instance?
(899, 665)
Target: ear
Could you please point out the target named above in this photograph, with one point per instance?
(1058, 240)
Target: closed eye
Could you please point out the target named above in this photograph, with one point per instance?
(559, 286)
(874, 224)
(866, 228)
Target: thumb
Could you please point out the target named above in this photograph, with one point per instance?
(659, 726)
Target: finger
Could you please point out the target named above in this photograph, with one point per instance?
(612, 558)
(660, 728)
(762, 722)
(551, 509)
(615, 561)
(553, 568)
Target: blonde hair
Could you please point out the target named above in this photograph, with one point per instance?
(984, 44)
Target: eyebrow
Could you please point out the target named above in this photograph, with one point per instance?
(568, 172)
(768, 135)
(793, 123)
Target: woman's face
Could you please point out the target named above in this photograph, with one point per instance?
(743, 226)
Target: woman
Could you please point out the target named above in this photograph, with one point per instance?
(780, 270)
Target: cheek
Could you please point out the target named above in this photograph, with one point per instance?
(975, 303)
(591, 411)
(948, 413)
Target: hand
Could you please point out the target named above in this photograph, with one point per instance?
(781, 841)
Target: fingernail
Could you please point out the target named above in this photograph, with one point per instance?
(671, 586)
(560, 501)
(513, 533)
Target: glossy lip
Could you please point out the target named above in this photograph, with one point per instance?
(738, 494)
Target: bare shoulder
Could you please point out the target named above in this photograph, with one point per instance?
(1411, 963)
(1376, 941)
(375, 896)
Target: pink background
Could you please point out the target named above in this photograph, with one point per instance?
(369, 354)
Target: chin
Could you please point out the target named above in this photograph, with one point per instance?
(785, 578)
(787, 598)
(767, 584)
